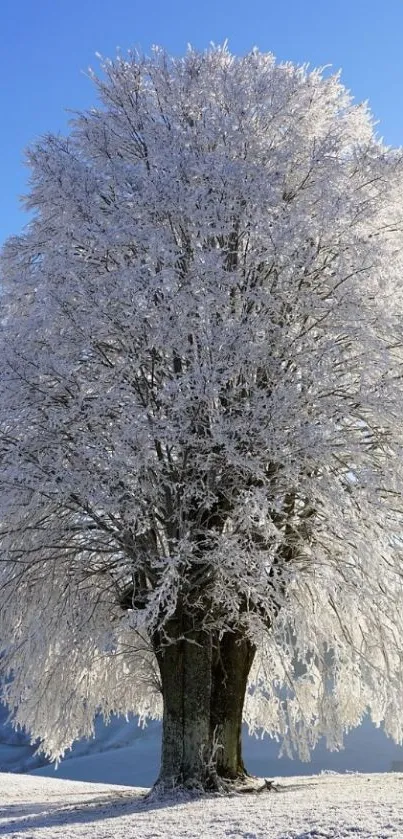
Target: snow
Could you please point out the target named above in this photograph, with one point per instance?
(136, 765)
(123, 758)
(125, 753)
(201, 337)
(107, 760)
(327, 806)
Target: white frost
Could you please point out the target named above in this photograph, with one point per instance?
(318, 807)
(201, 398)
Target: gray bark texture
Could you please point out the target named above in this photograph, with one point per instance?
(232, 659)
(203, 681)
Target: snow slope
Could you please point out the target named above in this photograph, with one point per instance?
(136, 761)
(18, 755)
(317, 807)
(16, 752)
(125, 753)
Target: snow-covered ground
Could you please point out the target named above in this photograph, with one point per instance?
(317, 807)
(124, 753)
(124, 758)
(127, 754)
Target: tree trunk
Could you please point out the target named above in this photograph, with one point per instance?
(185, 668)
(203, 688)
(232, 659)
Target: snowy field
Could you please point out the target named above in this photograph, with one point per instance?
(124, 753)
(124, 758)
(318, 807)
(129, 755)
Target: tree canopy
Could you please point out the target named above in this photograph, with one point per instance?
(201, 403)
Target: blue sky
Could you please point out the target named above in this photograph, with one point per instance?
(47, 45)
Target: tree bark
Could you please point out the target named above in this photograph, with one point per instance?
(203, 688)
(232, 659)
(185, 668)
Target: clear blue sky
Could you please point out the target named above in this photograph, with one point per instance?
(47, 45)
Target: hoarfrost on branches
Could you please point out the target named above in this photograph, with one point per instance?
(201, 399)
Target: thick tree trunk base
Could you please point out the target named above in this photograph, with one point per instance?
(248, 785)
(184, 660)
(204, 680)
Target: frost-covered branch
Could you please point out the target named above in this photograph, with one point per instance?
(200, 409)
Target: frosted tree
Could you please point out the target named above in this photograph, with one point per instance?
(201, 415)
